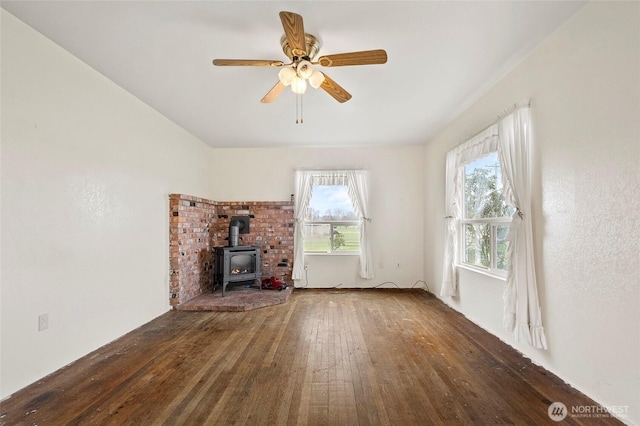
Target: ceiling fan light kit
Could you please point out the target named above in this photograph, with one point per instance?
(299, 85)
(316, 79)
(301, 48)
(304, 69)
(286, 75)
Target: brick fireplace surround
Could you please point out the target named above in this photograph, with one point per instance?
(197, 225)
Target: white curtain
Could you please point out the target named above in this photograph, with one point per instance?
(512, 138)
(452, 215)
(301, 198)
(476, 147)
(359, 192)
(357, 184)
(521, 304)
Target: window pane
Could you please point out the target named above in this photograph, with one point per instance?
(317, 238)
(334, 228)
(501, 247)
(330, 202)
(346, 238)
(477, 244)
(483, 189)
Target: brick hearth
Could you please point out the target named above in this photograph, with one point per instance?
(237, 299)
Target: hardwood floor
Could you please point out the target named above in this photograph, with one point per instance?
(327, 357)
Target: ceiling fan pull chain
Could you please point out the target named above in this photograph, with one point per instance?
(299, 116)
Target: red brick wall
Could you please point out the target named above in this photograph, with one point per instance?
(271, 229)
(198, 225)
(190, 249)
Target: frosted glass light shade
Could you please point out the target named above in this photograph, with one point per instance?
(286, 75)
(304, 69)
(298, 85)
(316, 79)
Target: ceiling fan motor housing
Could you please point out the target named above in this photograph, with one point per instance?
(313, 46)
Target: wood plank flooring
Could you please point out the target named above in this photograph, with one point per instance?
(327, 357)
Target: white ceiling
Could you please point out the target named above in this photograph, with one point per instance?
(443, 55)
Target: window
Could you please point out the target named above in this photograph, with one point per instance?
(331, 222)
(338, 238)
(485, 216)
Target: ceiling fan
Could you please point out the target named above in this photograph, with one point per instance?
(301, 49)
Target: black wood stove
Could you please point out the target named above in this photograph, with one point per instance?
(237, 264)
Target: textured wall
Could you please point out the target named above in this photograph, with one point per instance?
(86, 170)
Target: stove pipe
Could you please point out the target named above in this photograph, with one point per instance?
(233, 235)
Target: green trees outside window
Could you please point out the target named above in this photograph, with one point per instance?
(486, 215)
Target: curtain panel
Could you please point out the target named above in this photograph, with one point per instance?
(521, 304)
(359, 193)
(512, 138)
(357, 184)
(302, 197)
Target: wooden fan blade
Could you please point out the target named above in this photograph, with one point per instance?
(294, 30)
(366, 57)
(247, 62)
(273, 93)
(335, 90)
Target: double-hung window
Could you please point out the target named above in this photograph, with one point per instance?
(331, 221)
(485, 217)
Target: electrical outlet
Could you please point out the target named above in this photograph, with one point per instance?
(43, 322)
(306, 267)
(397, 265)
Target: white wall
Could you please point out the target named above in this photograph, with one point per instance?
(86, 171)
(396, 204)
(583, 83)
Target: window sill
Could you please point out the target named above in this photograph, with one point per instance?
(483, 272)
(353, 253)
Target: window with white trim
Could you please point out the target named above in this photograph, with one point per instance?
(485, 217)
(331, 221)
